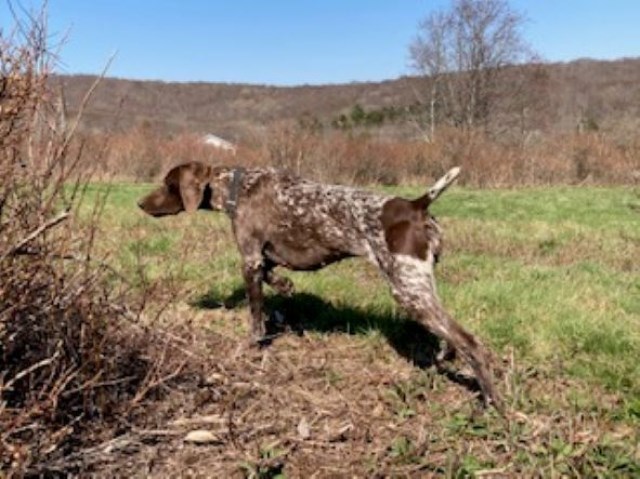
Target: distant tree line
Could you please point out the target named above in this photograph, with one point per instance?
(473, 59)
(361, 117)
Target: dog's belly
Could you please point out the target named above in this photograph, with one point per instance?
(303, 255)
(313, 228)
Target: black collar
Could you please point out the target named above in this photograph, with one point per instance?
(234, 189)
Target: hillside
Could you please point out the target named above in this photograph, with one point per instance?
(228, 109)
(604, 93)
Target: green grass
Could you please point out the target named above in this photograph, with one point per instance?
(548, 277)
(553, 273)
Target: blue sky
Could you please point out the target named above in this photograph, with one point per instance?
(292, 42)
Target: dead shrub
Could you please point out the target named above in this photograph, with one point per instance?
(74, 364)
(366, 158)
(142, 154)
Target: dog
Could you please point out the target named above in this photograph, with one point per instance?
(279, 219)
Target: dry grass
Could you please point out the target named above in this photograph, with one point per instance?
(349, 389)
(334, 405)
(364, 158)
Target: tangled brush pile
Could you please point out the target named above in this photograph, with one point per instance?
(73, 361)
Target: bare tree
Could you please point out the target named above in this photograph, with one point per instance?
(463, 50)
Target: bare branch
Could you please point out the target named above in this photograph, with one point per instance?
(37, 232)
(462, 50)
(40, 364)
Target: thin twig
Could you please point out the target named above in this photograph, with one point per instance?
(73, 257)
(37, 232)
(29, 370)
(85, 101)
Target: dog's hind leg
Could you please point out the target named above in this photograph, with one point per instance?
(413, 286)
(281, 284)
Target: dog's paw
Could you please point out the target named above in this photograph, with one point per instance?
(258, 328)
(285, 287)
(447, 353)
(257, 340)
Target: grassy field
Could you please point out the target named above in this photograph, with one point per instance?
(549, 278)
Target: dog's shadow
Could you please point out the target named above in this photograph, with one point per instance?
(307, 312)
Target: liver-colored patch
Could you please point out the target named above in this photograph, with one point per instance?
(404, 228)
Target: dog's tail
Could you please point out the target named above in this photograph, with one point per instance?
(438, 188)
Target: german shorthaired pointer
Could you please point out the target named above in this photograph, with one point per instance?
(282, 220)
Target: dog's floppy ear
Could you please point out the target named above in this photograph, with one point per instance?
(191, 184)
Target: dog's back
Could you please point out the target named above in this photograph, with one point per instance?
(304, 224)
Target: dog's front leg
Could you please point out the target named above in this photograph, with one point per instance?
(253, 274)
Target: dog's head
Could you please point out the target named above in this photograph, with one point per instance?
(189, 187)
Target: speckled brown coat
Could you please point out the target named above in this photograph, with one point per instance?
(281, 220)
